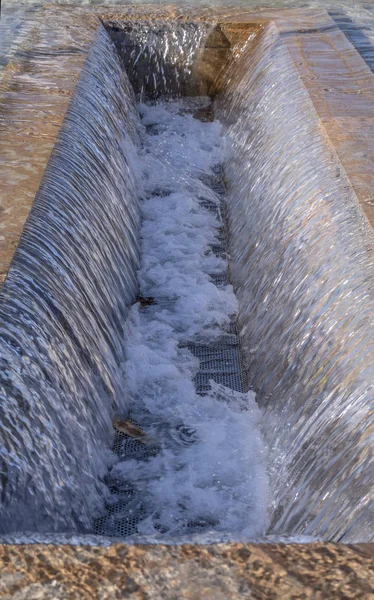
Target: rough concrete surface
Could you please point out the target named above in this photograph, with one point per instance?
(216, 572)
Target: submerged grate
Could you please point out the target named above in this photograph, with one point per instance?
(127, 506)
(123, 516)
(220, 279)
(220, 362)
(212, 207)
(219, 250)
(128, 447)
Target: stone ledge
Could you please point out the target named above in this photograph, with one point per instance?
(219, 572)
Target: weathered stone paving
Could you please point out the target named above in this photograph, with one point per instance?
(219, 572)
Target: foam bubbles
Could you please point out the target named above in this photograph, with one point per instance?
(209, 471)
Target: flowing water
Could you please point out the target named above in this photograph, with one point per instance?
(302, 269)
(63, 316)
(303, 273)
(356, 18)
(201, 465)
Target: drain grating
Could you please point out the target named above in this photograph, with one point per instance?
(127, 506)
(219, 362)
(123, 516)
(220, 279)
(128, 447)
(219, 250)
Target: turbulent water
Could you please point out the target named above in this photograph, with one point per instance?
(302, 270)
(205, 467)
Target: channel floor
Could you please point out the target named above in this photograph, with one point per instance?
(220, 361)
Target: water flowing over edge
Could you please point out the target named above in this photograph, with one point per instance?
(304, 280)
(64, 306)
(355, 19)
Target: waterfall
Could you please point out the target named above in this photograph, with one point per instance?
(303, 273)
(63, 309)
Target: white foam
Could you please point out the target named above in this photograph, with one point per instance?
(218, 480)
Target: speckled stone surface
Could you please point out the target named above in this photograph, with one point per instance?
(219, 572)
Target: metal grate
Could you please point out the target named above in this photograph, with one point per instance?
(232, 381)
(220, 279)
(128, 447)
(127, 506)
(220, 362)
(211, 206)
(123, 516)
(219, 250)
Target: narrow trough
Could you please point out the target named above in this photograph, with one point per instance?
(300, 263)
